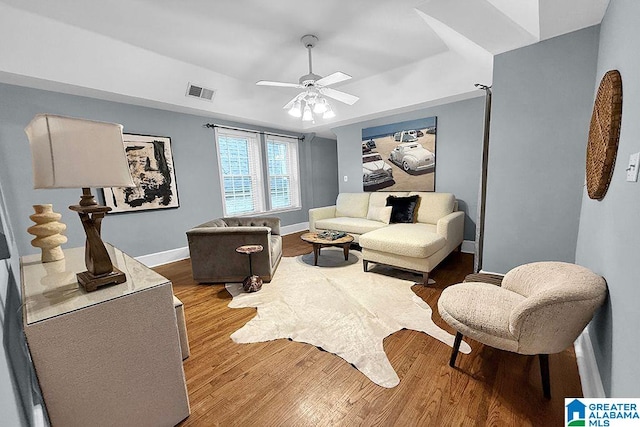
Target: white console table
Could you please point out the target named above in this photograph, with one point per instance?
(109, 357)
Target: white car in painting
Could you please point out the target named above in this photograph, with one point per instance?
(412, 156)
(375, 170)
(405, 136)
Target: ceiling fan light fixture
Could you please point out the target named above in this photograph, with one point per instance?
(328, 114)
(312, 101)
(320, 106)
(296, 109)
(307, 116)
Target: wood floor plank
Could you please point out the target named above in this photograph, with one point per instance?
(286, 383)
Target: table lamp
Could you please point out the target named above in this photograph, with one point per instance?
(76, 153)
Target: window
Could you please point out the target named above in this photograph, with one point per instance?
(258, 173)
(282, 162)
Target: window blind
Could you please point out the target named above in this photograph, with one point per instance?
(283, 173)
(241, 174)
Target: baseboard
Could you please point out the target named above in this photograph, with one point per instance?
(468, 247)
(587, 367)
(293, 228)
(165, 257)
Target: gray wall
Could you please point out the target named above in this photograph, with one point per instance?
(196, 167)
(458, 151)
(542, 99)
(608, 240)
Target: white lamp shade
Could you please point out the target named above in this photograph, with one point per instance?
(306, 115)
(320, 106)
(328, 114)
(76, 153)
(296, 109)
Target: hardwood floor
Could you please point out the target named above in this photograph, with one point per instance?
(288, 383)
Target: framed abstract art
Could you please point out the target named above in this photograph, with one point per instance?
(151, 164)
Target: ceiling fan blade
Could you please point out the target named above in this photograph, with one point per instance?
(336, 77)
(278, 84)
(295, 98)
(339, 95)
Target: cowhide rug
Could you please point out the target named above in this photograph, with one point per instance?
(338, 307)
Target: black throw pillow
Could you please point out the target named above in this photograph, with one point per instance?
(403, 208)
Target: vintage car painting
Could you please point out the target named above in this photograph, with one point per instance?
(405, 136)
(375, 170)
(368, 146)
(412, 157)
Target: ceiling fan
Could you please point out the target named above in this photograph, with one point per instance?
(315, 88)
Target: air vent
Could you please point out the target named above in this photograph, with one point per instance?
(200, 92)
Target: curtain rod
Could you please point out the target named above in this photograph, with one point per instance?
(213, 125)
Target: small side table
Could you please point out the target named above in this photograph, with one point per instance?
(251, 283)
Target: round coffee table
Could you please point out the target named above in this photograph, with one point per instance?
(318, 243)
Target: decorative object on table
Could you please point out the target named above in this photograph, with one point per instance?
(251, 283)
(151, 165)
(77, 153)
(48, 231)
(341, 310)
(404, 158)
(604, 133)
(331, 234)
(319, 242)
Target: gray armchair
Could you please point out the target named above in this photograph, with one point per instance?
(212, 246)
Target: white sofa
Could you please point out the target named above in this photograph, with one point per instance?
(419, 246)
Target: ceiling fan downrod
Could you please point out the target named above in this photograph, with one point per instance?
(309, 41)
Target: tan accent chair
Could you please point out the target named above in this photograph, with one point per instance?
(212, 247)
(540, 308)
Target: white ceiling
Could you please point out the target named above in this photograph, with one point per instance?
(402, 54)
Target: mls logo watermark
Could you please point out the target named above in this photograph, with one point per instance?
(610, 412)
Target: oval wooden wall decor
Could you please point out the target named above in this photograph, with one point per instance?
(604, 133)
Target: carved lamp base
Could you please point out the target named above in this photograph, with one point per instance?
(90, 282)
(100, 270)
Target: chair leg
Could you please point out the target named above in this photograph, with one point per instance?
(365, 265)
(425, 278)
(456, 348)
(544, 372)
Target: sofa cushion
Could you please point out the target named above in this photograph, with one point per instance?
(349, 225)
(434, 206)
(353, 205)
(404, 208)
(380, 213)
(412, 240)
